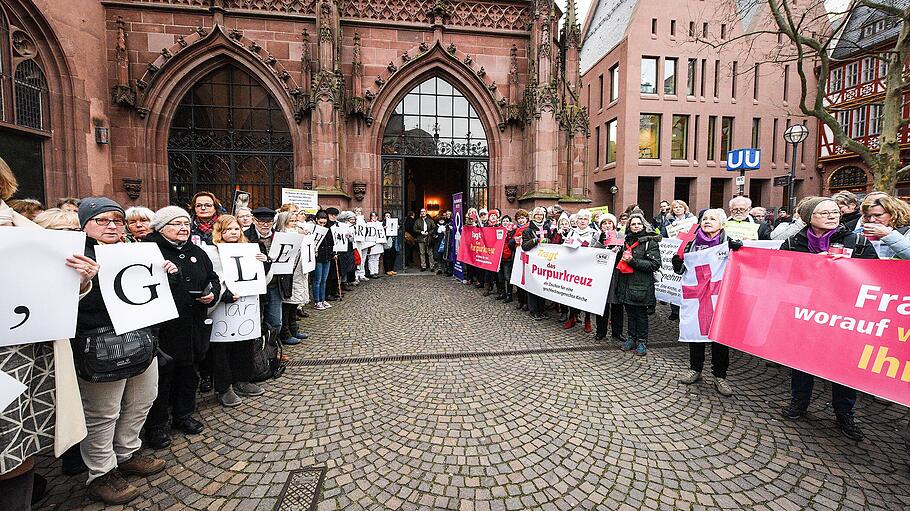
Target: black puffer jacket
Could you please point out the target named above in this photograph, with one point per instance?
(637, 288)
(860, 246)
(92, 311)
(186, 337)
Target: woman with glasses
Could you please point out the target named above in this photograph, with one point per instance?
(887, 219)
(206, 210)
(245, 218)
(185, 339)
(138, 220)
(824, 230)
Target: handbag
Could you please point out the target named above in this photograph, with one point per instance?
(103, 356)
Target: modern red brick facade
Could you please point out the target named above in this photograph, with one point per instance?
(314, 84)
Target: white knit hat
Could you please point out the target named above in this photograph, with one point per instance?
(166, 215)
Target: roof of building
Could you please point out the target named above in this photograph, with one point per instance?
(852, 42)
(605, 27)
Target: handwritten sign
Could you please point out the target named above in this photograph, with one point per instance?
(236, 321)
(679, 226)
(340, 234)
(741, 230)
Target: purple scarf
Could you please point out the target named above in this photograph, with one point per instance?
(821, 243)
(703, 241)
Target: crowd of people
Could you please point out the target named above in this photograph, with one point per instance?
(124, 409)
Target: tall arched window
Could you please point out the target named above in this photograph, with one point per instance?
(848, 178)
(31, 96)
(227, 134)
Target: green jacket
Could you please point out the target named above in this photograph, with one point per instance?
(424, 224)
(637, 288)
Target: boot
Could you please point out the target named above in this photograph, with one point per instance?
(112, 489)
(141, 465)
(570, 322)
(487, 289)
(588, 328)
(508, 298)
(157, 438)
(849, 428)
(795, 409)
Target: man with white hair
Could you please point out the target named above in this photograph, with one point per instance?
(739, 208)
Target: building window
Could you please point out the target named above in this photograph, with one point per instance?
(704, 30)
(836, 80)
(843, 118)
(876, 112)
(712, 136)
(852, 74)
(695, 137)
(600, 83)
(31, 96)
(679, 138)
(868, 69)
(672, 28)
(614, 83)
(611, 141)
(756, 132)
(878, 26)
(670, 76)
(597, 146)
(654, 26)
(755, 84)
(883, 59)
(734, 73)
(774, 142)
(716, 77)
(690, 77)
(649, 75)
(847, 177)
(723, 30)
(726, 137)
(704, 67)
(859, 122)
(692, 29)
(649, 136)
(786, 81)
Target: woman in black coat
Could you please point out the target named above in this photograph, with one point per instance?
(822, 234)
(185, 338)
(635, 279)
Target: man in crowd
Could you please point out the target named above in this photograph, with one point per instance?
(423, 230)
(849, 209)
(663, 218)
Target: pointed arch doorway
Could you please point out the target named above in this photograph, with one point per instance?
(434, 145)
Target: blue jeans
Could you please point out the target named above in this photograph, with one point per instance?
(320, 277)
(272, 307)
(843, 399)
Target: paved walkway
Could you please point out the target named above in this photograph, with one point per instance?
(417, 393)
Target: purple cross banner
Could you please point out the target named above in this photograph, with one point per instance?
(457, 225)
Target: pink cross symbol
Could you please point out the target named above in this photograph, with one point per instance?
(524, 263)
(686, 237)
(703, 291)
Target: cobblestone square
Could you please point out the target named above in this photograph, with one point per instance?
(417, 393)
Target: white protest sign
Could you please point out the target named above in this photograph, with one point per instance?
(243, 274)
(766, 244)
(391, 227)
(741, 230)
(10, 390)
(378, 231)
(680, 226)
(307, 200)
(134, 285)
(236, 321)
(283, 252)
(40, 296)
(308, 254)
(577, 277)
(669, 289)
(319, 234)
(360, 230)
(340, 233)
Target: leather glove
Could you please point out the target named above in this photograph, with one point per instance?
(677, 263)
(734, 244)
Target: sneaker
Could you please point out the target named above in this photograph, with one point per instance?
(141, 465)
(319, 307)
(302, 335)
(112, 489)
(290, 341)
(849, 428)
(538, 317)
(245, 388)
(723, 388)
(641, 350)
(327, 305)
(690, 377)
(628, 345)
(795, 410)
(229, 398)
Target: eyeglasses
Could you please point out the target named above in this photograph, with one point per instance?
(262, 221)
(204, 205)
(739, 210)
(827, 213)
(68, 229)
(245, 216)
(134, 222)
(179, 224)
(106, 222)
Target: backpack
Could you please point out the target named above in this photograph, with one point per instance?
(267, 357)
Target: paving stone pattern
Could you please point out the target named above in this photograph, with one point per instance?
(598, 429)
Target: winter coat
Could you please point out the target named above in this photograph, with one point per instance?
(637, 288)
(530, 237)
(186, 337)
(204, 237)
(300, 293)
(858, 243)
(898, 241)
(423, 224)
(325, 252)
(851, 219)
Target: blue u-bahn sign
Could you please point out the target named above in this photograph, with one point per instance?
(744, 159)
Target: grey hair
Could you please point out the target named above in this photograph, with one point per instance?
(740, 198)
(717, 212)
(141, 213)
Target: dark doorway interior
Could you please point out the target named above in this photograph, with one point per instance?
(430, 183)
(24, 156)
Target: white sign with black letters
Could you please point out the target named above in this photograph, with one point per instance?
(134, 285)
(283, 252)
(244, 275)
(236, 321)
(340, 234)
(391, 227)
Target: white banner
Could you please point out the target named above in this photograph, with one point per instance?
(283, 252)
(134, 285)
(681, 226)
(40, 296)
(243, 274)
(578, 277)
(236, 321)
(340, 234)
(307, 200)
(359, 230)
(700, 287)
(669, 289)
(391, 227)
(376, 233)
(308, 253)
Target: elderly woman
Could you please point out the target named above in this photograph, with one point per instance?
(584, 235)
(824, 229)
(610, 239)
(679, 211)
(138, 220)
(244, 217)
(887, 219)
(514, 241)
(290, 333)
(537, 232)
(639, 260)
(185, 338)
(206, 209)
(710, 233)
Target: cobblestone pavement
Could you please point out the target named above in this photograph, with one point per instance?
(534, 418)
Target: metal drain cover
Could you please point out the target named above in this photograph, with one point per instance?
(302, 489)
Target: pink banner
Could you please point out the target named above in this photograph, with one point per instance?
(846, 320)
(481, 247)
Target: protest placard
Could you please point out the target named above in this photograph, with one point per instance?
(741, 230)
(244, 275)
(319, 234)
(306, 200)
(578, 277)
(669, 288)
(481, 247)
(34, 265)
(381, 236)
(680, 226)
(340, 234)
(391, 227)
(283, 252)
(134, 285)
(236, 321)
(359, 230)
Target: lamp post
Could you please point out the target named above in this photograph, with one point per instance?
(794, 135)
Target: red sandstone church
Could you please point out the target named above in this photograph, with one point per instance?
(383, 104)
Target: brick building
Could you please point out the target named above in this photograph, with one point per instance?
(671, 87)
(854, 94)
(383, 104)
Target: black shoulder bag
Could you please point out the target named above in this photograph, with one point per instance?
(103, 356)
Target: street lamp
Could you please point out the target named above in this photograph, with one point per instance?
(794, 135)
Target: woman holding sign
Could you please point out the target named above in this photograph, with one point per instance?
(635, 279)
(537, 232)
(610, 239)
(825, 235)
(185, 338)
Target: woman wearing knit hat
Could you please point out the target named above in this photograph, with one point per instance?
(186, 337)
(823, 232)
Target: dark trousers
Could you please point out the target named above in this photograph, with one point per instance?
(720, 358)
(638, 322)
(331, 285)
(232, 362)
(388, 259)
(535, 303)
(843, 399)
(16, 493)
(521, 295)
(505, 275)
(288, 320)
(613, 315)
(177, 386)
